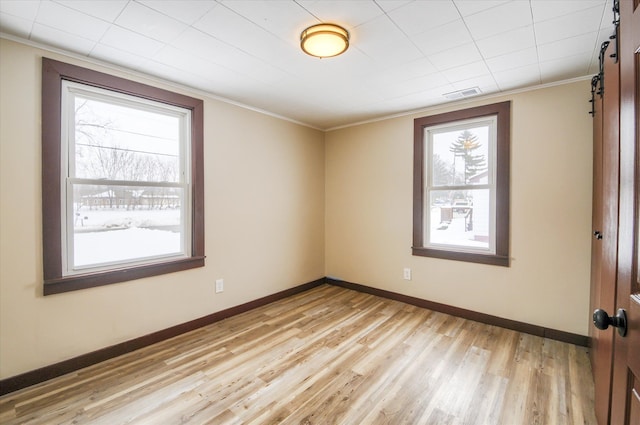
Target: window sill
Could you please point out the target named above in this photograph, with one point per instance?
(490, 259)
(91, 280)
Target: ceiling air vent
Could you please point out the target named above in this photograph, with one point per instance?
(474, 91)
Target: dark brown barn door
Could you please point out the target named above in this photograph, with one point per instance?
(615, 285)
(605, 220)
(625, 400)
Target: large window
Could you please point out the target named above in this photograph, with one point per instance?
(461, 185)
(122, 179)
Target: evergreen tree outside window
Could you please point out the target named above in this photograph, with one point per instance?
(461, 185)
(464, 147)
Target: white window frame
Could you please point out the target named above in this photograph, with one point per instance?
(491, 123)
(70, 90)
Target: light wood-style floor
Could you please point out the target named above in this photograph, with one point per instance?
(326, 356)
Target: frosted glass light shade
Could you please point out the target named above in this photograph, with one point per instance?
(324, 40)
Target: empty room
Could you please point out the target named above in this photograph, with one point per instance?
(320, 212)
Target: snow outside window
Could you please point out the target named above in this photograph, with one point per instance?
(122, 179)
(126, 193)
(461, 185)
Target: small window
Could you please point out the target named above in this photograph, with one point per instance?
(461, 185)
(122, 179)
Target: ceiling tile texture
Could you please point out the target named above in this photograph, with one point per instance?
(404, 55)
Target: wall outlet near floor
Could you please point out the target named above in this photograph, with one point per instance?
(406, 273)
(219, 285)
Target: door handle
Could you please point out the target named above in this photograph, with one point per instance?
(602, 320)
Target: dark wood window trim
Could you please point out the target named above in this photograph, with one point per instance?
(53, 73)
(503, 112)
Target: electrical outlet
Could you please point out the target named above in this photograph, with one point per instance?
(407, 273)
(219, 285)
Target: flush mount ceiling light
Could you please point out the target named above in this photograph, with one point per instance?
(324, 40)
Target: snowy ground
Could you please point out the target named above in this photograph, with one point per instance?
(454, 233)
(105, 236)
(105, 219)
(119, 245)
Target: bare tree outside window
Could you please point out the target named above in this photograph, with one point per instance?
(122, 179)
(125, 171)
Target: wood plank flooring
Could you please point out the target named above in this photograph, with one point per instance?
(326, 356)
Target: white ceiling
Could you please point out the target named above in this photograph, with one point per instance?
(404, 55)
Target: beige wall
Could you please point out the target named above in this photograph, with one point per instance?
(369, 214)
(286, 205)
(264, 193)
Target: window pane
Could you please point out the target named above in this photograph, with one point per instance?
(460, 157)
(125, 223)
(460, 218)
(117, 142)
